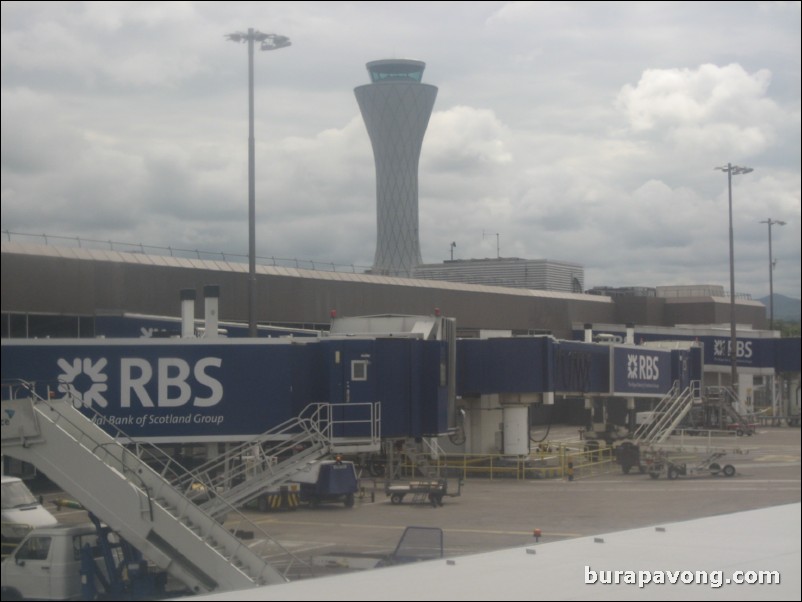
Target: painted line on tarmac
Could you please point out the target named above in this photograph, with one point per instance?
(288, 544)
(700, 478)
(305, 523)
(700, 487)
(777, 458)
(313, 548)
(402, 527)
(497, 532)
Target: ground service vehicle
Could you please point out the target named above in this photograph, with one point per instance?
(77, 562)
(328, 481)
(21, 512)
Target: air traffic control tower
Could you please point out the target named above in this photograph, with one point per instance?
(396, 107)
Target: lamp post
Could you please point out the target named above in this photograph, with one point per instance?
(733, 170)
(771, 222)
(269, 41)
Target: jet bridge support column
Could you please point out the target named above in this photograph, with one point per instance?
(482, 424)
(515, 425)
(631, 413)
(516, 430)
(598, 418)
(631, 418)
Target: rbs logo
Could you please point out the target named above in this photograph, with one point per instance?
(173, 389)
(722, 347)
(642, 367)
(88, 382)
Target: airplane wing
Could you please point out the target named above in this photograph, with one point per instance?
(691, 560)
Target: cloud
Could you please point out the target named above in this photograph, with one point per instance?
(466, 139)
(706, 110)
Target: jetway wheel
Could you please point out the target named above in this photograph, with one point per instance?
(435, 500)
(377, 466)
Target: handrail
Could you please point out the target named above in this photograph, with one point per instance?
(131, 464)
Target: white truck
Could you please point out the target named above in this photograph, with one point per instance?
(47, 564)
(21, 512)
(78, 562)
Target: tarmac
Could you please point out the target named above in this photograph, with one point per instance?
(503, 513)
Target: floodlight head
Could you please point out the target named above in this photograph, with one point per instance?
(273, 41)
(734, 170)
(237, 36)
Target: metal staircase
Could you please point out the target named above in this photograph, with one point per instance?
(724, 399)
(118, 485)
(424, 456)
(668, 414)
(262, 464)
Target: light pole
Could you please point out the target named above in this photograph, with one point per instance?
(269, 41)
(733, 170)
(771, 222)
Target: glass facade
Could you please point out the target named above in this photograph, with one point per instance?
(385, 75)
(396, 70)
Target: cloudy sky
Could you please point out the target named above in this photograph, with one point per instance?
(585, 132)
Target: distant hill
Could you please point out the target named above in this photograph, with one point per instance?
(785, 308)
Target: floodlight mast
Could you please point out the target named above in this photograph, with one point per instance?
(733, 170)
(268, 41)
(771, 222)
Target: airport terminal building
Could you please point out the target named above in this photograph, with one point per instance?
(513, 272)
(57, 290)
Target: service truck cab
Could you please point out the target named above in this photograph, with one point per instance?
(47, 564)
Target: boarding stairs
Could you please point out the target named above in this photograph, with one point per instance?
(725, 400)
(423, 456)
(657, 450)
(119, 486)
(262, 464)
(668, 415)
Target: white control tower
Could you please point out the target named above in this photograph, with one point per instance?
(396, 107)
